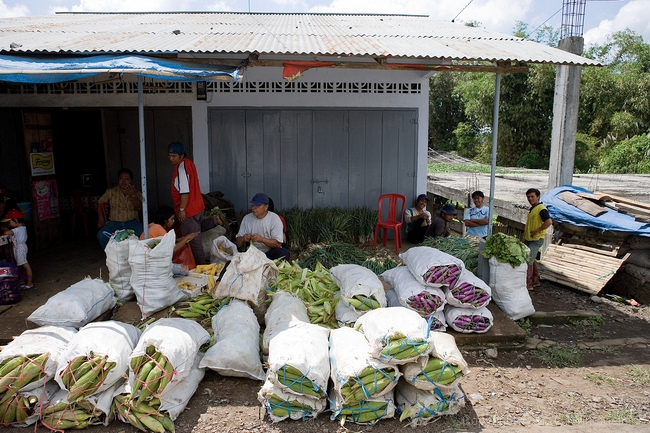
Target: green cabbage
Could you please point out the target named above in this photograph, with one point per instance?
(506, 249)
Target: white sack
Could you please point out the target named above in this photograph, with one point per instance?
(337, 405)
(178, 339)
(350, 356)
(178, 393)
(236, 349)
(77, 305)
(284, 309)
(509, 290)
(304, 346)
(119, 269)
(247, 277)
(423, 407)
(468, 320)
(385, 324)
(408, 289)
(423, 261)
(469, 292)
(309, 410)
(345, 314)
(152, 278)
(356, 280)
(222, 250)
(115, 340)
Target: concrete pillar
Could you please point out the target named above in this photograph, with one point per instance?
(565, 116)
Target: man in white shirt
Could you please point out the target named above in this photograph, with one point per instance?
(476, 218)
(263, 228)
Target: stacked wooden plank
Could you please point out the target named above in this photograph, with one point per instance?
(579, 268)
(640, 211)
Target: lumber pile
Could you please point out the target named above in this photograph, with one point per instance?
(587, 270)
(640, 211)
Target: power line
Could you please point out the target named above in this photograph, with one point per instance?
(461, 11)
(558, 11)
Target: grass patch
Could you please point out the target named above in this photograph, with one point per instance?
(479, 168)
(575, 418)
(639, 375)
(525, 324)
(622, 416)
(600, 378)
(595, 322)
(610, 349)
(555, 356)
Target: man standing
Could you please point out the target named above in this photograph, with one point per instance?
(536, 224)
(263, 228)
(124, 203)
(476, 218)
(438, 227)
(188, 200)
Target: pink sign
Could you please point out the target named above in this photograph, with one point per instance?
(46, 197)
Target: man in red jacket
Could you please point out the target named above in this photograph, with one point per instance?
(188, 200)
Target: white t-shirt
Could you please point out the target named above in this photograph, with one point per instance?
(268, 227)
(477, 213)
(20, 233)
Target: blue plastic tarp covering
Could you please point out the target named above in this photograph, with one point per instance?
(41, 70)
(561, 211)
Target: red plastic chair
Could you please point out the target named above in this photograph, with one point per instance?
(394, 220)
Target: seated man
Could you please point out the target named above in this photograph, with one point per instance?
(124, 202)
(263, 228)
(439, 226)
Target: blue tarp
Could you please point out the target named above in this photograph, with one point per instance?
(43, 70)
(562, 211)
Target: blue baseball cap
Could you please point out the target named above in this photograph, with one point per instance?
(259, 199)
(176, 147)
(448, 209)
(422, 197)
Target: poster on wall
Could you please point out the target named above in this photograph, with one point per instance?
(42, 163)
(46, 197)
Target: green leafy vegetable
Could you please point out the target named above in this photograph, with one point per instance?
(506, 249)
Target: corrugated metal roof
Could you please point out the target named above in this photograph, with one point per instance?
(393, 36)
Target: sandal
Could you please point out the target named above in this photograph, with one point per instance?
(27, 287)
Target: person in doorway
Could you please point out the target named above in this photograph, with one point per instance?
(476, 217)
(417, 220)
(263, 228)
(439, 226)
(536, 224)
(16, 222)
(188, 200)
(124, 203)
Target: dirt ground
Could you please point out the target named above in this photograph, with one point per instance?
(607, 388)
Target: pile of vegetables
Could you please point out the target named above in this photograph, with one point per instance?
(467, 293)
(339, 253)
(371, 381)
(64, 416)
(284, 408)
(84, 375)
(506, 249)
(400, 347)
(315, 288)
(295, 380)
(471, 322)
(152, 374)
(425, 303)
(363, 412)
(17, 372)
(201, 308)
(15, 408)
(464, 248)
(439, 372)
(145, 416)
(445, 274)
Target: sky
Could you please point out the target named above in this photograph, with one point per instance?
(602, 17)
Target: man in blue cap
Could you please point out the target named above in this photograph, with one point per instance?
(263, 228)
(439, 225)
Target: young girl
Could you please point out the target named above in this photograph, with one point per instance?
(14, 218)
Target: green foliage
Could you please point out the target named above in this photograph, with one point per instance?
(446, 110)
(506, 249)
(525, 324)
(556, 356)
(629, 156)
(351, 225)
(339, 253)
(639, 375)
(462, 248)
(531, 159)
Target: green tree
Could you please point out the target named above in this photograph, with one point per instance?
(629, 156)
(446, 110)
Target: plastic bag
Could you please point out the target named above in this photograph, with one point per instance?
(185, 257)
(222, 250)
(9, 283)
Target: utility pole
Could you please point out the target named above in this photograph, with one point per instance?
(567, 97)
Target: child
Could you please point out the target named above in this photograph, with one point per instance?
(14, 218)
